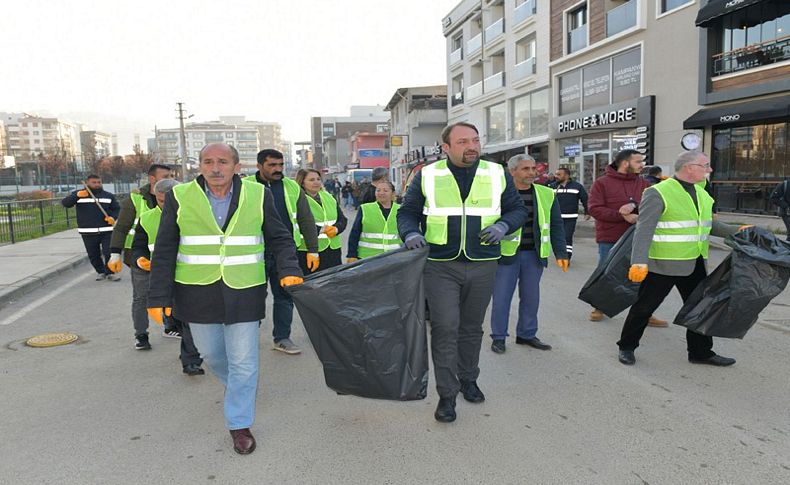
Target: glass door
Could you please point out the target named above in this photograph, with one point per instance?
(595, 157)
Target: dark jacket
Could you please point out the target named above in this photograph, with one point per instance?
(126, 220)
(411, 219)
(89, 216)
(304, 216)
(569, 196)
(217, 303)
(780, 197)
(607, 195)
(556, 233)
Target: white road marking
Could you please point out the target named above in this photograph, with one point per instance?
(37, 303)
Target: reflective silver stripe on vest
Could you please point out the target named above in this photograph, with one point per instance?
(151, 248)
(545, 239)
(385, 247)
(93, 201)
(459, 211)
(682, 224)
(570, 216)
(134, 224)
(680, 238)
(566, 191)
(330, 222)
(93, 230)
(131, 232)
(218, 239)
(378, 235)
(215, 259)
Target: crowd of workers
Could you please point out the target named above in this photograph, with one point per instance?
(203, 254)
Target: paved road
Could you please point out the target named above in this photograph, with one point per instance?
(100, 412)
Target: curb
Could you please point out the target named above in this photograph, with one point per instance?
(30, 283)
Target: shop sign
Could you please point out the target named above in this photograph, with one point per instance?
(598, 120)
(371, 153)
(571, 151)
(628, 114)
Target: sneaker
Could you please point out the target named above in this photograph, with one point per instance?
(101, 277)
(498, 346)
(193, 370)
(287, 346)
(171, 333)
(142, 343)
(596, 315)
(113, 277)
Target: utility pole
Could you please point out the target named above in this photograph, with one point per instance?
(183, 150)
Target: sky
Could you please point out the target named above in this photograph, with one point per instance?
(122, 65)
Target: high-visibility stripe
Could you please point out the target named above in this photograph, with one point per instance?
(219, 239)
(93, 230)
(682, 224)
(364, 244)
(570, 216)
(545, 226)
(459, 211)
(151, 248)
(216, 259)
(680, 238)
(443, 172)
(545, 239)
(131, 232)
(93, 201)
(379, 235)
(329, 222)
(566, 191)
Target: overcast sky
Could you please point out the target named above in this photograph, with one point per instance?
(122, 65)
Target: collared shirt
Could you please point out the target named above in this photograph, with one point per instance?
(220, 206)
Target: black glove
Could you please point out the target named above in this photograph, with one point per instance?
(494, 233)
(415, 241)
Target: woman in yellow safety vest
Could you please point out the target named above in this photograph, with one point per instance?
(375, 229)
(328, 217)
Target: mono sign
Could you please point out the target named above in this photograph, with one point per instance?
(598, 120)
(733, 3)
(729, 118)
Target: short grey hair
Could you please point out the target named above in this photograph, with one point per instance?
(233, 151)
(165, 185)
(516, 159)
(685, 158)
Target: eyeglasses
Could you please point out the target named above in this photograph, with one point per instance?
(703, 165)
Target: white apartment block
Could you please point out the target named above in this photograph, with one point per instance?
(244, 139)
(30, 136)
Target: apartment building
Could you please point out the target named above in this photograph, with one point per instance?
(331, 136)
(95, 144)
(29, 136)
(244, 137)
(744, 87)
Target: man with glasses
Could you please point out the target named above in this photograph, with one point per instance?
(670, 249)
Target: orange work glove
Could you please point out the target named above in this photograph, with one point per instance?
(313, 261)
(747, 226)
(115, 264)
(637, 273)
(83, 193)
(352, 260)
(157, 314)
(144, 263)
(109, 220)
(330, 231)
(291, 280)
(563, 264)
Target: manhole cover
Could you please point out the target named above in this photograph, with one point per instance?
(51, 339)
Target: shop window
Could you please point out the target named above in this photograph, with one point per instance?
(521, 117)
(596, 85)
(539, 112)
(626, 76)
(496, 117)
(570, 154)
(570, 92)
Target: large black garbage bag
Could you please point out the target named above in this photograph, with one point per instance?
(728, 302)
(608, 287)
(366, 322)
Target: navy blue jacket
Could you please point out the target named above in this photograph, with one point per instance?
(568, 199)
(411, 219)
(89, 216)
(556, 234)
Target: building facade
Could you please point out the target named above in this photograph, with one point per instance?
(744, 87)
(95, 144)
(244, 138)
(369, 150)
(331, 136)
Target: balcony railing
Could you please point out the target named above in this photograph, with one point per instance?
(621, 18)
(458, 98)
(495, 30)
(456, 56)
(577, 38)
(524, 68)
(524, 11)
(748, 57)
(474, 91)
(474, 43)
(494, 82)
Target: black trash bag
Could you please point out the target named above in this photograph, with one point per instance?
(728, 302)
(366, 322)
(608, 287)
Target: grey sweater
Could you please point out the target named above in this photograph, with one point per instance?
(650, 210)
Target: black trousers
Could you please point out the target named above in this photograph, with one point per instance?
(98, 248)
(570, 228)
(189, 353)
(653, 290)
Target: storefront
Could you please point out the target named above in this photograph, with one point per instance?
(749, 151)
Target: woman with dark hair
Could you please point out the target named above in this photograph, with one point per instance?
(328, 217)
(375, 228)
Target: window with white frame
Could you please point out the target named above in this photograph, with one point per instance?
(667, 5)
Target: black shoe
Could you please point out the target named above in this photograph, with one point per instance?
(141, 343)
(533, 342)
(471, 392)
(445, 411)
(498, 346)
(627, 357)
(716, 360)
(193, 370)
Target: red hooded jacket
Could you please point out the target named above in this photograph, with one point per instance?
(607, 195)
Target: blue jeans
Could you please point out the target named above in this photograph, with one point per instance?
(526, 271)
(603, 251)
(231, 353)
(349, 201)
(283, 304)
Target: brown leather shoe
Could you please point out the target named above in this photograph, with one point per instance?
(243, 441)
(596, 315)
(656, 322)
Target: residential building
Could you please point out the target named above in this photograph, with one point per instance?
(30, 136)
(369, 150)
(498, 74)
(3, 140)
(744, 87)
(95, 144)
(331, 135)
(417, 117)
(287, 149)
(242, 136)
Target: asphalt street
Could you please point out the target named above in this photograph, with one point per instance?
(98, 411)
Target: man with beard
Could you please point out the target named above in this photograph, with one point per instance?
(461, 208)
(569, 193)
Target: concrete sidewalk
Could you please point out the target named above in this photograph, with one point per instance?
(28, 265)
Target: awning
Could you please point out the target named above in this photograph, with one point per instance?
(761, 109)
(716, 8)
